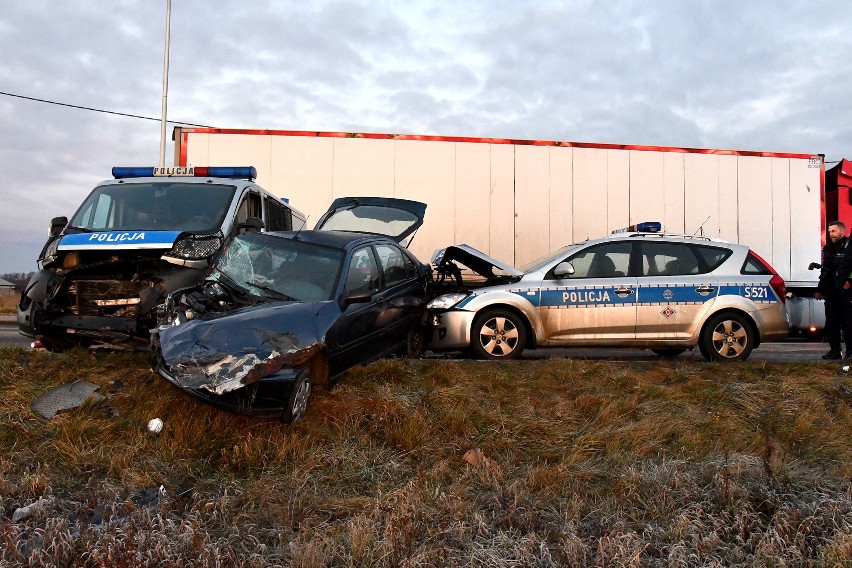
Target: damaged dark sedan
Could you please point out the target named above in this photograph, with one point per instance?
(282, 313)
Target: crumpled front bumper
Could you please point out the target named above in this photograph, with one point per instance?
(450, 330)
(265, 397)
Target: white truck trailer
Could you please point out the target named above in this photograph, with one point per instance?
(517, 200)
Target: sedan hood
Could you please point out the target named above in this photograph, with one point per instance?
(476, 260)
(228, 352)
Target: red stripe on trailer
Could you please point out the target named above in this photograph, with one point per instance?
(185, 131)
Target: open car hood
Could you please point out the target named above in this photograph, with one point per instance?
(394, 218)
(477, 261)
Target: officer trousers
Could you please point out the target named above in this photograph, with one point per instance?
(838, 317)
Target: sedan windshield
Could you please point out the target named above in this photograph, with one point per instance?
(279, 268)
(167, 206)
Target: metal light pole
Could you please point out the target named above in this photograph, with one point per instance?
(165, 87)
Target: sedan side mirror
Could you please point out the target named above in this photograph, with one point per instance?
(563, 270)
(356, 298)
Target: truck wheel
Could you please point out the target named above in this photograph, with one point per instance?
(671, 352)
(297, 402)
(727, 337)
(498, 334)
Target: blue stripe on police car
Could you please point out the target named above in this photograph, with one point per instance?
(118, 240)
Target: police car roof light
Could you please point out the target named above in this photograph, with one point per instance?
(234, 172)
(646, 227)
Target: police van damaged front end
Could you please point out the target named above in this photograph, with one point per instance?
(104, 287)
(133, 240)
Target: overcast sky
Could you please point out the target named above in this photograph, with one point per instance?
(713, 74)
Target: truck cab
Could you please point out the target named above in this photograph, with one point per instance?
(136, 238)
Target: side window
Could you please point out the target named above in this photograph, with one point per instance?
(396, 265)
(713, 257)
(250, 207)
(279, 217)
(610, 260)
(668, 259)
(363, 273)
(752, 265)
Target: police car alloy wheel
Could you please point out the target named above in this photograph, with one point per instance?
(727, 337)
(498, 334)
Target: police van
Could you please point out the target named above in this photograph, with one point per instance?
(637, 287)
(136, 238)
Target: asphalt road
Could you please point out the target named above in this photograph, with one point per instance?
(790, 351)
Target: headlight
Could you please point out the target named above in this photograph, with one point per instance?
(196, 247)
(446, 301)
(50, 252)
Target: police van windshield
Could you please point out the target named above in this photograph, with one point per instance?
(155, 207)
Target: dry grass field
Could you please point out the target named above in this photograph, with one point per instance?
(581, 463)
(8, 303)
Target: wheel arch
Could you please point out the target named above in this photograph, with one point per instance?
(528, 328)
(732, 310)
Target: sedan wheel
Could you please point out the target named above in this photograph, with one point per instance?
(297, 402)
(727, 337)
(498, 334)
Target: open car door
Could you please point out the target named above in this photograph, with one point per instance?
(391, 217)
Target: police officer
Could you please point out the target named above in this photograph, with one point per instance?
(836, 289)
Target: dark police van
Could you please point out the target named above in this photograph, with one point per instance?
(145, 233)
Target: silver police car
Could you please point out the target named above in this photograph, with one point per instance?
(635, 288)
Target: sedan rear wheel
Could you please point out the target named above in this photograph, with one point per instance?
(498, 334)
(727, 337)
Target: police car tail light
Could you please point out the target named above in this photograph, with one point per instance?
(234, 172)
(776, 282)
(196, 247)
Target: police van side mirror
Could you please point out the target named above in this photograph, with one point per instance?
(57, 224)
(563, 270)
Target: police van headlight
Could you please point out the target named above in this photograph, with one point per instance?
(446, 301)
(50, 253)
(196, 247)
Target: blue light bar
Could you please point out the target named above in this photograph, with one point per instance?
(646, 227)
(232, 172)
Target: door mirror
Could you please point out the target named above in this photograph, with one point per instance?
(357, 298)
(563, 270)
(57, 224)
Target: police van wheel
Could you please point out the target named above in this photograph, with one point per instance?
(727, 337)
(672, 352)
(297, 402)
(498, 334)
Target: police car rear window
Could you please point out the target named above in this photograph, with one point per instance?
(713, 257)
(753, 265)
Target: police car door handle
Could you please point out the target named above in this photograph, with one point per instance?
(623, 291)
(705, 289)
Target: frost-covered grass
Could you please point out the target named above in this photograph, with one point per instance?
(583, 463)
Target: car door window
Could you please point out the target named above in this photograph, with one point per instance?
(396, 265)
(250, 207)
(363, 274)
(669, 259)
(279, 217)
(610, 260)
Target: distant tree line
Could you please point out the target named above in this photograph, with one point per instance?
(19, 279)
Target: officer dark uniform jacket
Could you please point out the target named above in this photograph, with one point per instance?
(836, 267)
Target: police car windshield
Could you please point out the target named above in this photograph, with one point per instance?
(540, 263)
(277, 268)
(167, 206)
